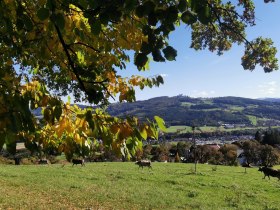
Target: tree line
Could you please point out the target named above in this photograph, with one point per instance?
(245, 153)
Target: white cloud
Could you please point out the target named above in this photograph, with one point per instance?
(272, 83)
(202, 93)
(268, 88)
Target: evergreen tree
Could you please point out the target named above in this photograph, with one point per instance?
(271, 137)
(258, 136)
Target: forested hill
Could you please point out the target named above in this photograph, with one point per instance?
(183, 110)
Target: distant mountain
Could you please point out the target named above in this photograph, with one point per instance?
(184, 110)
(271, 99)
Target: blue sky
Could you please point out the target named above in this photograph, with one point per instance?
(204, 74)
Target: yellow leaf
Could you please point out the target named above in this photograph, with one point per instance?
(126, 131)
(69, 129)
(77, 138)
(58, 131)
(115, 129)
(45, 100)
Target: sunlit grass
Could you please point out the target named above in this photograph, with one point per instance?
(124, 186)
(235, 108)
(179, 128)
(187, 104)
(188, 129)
(253, 119)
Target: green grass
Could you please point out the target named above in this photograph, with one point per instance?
(185, 129)
(208, 101)
(123, 186)
(181, 128)
(188, 104)
(236, 108)
(253, 119)
(211, 128)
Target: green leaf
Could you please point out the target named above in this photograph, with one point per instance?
(140, 60)
(204, 15)
(149, 83)
(27, 22)
(149, 7)
(157, 56)
(89, 119)
(166, 28)
(182, 5)
(96, 27)
(8, 26)
(130, 4)
(81, 57)
(146, 48)
(94, 4)
(43, 13)
(19, 24)
(188, 17)
(171, 14)
(115, 16)
(195, 4)
(83, 3)
(161, 123)
(130, 95)
(59, 20)
(104, 18)
(143, 133)
(160, 79)
(146, 30)
(140, 11)
(51, 4)
(170, 53)
(57, 112)
(153, 130)
(152, 19)
(35, 70)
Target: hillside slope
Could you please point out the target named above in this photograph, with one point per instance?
(183, 110)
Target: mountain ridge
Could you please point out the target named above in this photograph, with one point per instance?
(184, 110)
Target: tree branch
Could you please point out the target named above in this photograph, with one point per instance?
(86, 45)
(228, 27)
(71, 62)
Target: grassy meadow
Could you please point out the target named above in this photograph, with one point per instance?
(124, 186)
(188, 129)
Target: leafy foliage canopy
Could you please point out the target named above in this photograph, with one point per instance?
(52, 48)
